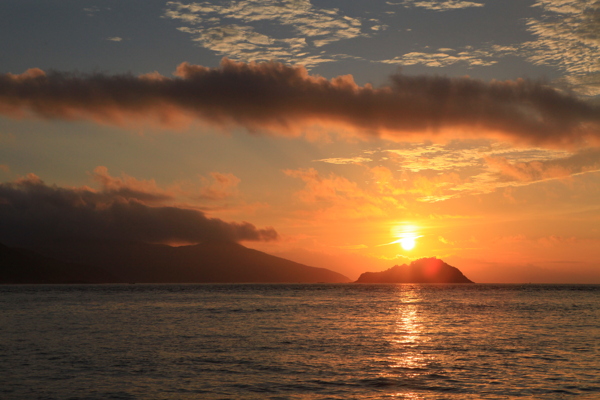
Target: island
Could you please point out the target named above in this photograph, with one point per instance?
(424, 270)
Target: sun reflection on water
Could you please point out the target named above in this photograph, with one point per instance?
(408, 364)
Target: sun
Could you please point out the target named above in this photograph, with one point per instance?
(408, 243)
(406, 235)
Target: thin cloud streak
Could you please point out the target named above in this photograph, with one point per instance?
(535, 171)
(440, 5)
(286, 100)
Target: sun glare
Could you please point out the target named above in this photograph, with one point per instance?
(408, 243)
(407, 236)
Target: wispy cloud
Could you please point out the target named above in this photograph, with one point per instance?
(345, 160)
(568, 37)
(333, 196)
(130, 188)
(465, 155)
(435, 172)
(218, 186)
(253, 30)
(486, 171)
(287, 100)
(480, 168)
(481, 57)
(534, 171)
(397, 183)
(91, 11)
(440, 5)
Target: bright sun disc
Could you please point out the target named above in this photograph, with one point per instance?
(407, 243)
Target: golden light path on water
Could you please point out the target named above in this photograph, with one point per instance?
(407, 358)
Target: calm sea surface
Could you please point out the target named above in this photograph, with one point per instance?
(297, 341)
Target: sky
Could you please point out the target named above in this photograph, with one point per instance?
(349, 135)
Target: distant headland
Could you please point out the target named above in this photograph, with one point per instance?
(424, 270)
(128, 262)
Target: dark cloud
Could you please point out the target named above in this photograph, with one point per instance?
(32, 212)
(286, 100)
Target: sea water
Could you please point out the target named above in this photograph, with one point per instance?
(296, 341)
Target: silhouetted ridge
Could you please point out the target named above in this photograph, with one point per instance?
(26, 266)
(424, 270)
(208, 262)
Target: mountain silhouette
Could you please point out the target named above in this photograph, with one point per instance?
(424, 270)
(26, 266)
(209, 262)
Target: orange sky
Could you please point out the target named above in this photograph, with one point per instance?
(364, 126)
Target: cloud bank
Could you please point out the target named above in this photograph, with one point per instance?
(286, 100)
(33, 212)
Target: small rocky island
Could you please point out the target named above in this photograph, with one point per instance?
(424, 270)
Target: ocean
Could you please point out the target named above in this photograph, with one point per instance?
(299, 341)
